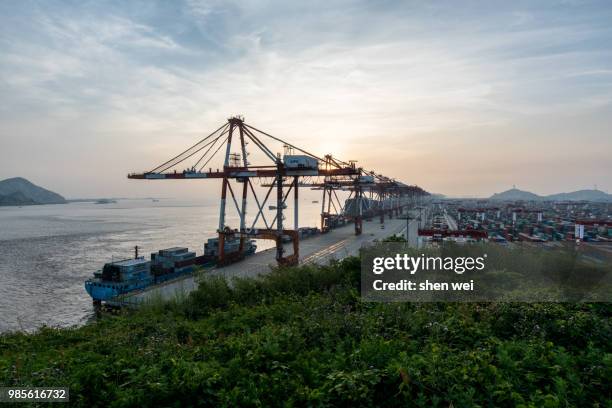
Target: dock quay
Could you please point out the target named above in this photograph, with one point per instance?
(336, 244)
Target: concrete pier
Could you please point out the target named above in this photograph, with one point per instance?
(336, 244)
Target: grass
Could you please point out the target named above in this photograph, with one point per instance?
(303, 337)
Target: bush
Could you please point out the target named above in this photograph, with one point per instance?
(302, 337)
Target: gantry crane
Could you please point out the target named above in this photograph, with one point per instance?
(275, 172)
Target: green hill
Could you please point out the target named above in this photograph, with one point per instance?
(515, 194)
(19, 191)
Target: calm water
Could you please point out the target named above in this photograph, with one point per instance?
(48, 251)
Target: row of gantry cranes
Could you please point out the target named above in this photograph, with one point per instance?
(274, 180)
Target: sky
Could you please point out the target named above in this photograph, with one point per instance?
(464, 98)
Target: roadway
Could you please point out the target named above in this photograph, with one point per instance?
(321, 249)
(450, 221)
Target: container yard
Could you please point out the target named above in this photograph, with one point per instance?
(585, 224)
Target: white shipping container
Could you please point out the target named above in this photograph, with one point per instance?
(300, 162)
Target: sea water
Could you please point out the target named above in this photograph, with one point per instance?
(48, 251)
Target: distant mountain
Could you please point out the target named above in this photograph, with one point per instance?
(16, 198)
(515, 194)
(437, 196)
(586, 195)
(581, 195)
(19, 191)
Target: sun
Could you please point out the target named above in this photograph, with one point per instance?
(333, 147)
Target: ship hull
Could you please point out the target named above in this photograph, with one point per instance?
(102, 291)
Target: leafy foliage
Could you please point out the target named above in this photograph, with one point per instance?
(303, 337)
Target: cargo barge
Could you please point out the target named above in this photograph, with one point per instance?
(128, 275)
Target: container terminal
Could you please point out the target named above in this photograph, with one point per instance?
(351, 196)
(546, 224)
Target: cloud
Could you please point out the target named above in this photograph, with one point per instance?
(367, 75)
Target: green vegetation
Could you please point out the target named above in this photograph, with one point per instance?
(303, 337)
